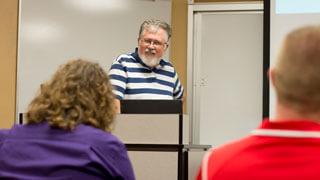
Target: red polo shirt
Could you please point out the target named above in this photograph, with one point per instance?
(288, 150)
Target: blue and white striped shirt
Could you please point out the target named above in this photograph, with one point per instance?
(132, 79)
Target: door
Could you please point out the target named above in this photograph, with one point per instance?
(227, 73)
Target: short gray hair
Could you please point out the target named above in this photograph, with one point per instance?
(297, 72)
(147, 24)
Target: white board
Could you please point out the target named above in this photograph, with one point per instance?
(54, 31)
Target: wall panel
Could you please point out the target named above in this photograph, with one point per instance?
(178, 45)
(8, 55)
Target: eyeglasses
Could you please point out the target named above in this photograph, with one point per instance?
(156, 43)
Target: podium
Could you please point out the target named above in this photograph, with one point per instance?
(156, 134)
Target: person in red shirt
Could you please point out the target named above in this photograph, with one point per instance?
(288, 146)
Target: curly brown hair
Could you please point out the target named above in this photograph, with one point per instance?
(78, 93)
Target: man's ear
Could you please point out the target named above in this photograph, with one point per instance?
(271, 75)
(167, 45)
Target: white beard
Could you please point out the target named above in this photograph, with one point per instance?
(150, 61)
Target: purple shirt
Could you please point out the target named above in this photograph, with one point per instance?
(41, 152)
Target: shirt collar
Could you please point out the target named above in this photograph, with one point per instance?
(297, 124)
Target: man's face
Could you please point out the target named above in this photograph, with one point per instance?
(152, 44)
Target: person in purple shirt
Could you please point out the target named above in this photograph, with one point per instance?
(67, 127)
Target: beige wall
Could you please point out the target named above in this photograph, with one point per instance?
(8, 57)
(178, 45)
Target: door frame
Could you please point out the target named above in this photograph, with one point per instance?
(193, 47)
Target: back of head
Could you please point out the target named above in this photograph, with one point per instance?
(78, 93)
(154, 25)
(297, 72)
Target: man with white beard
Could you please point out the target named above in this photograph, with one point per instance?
(143, 74)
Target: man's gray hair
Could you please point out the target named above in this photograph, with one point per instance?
(153, 23)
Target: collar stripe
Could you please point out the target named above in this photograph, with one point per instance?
(286, 133)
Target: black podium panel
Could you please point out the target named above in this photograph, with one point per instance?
(151, 106)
